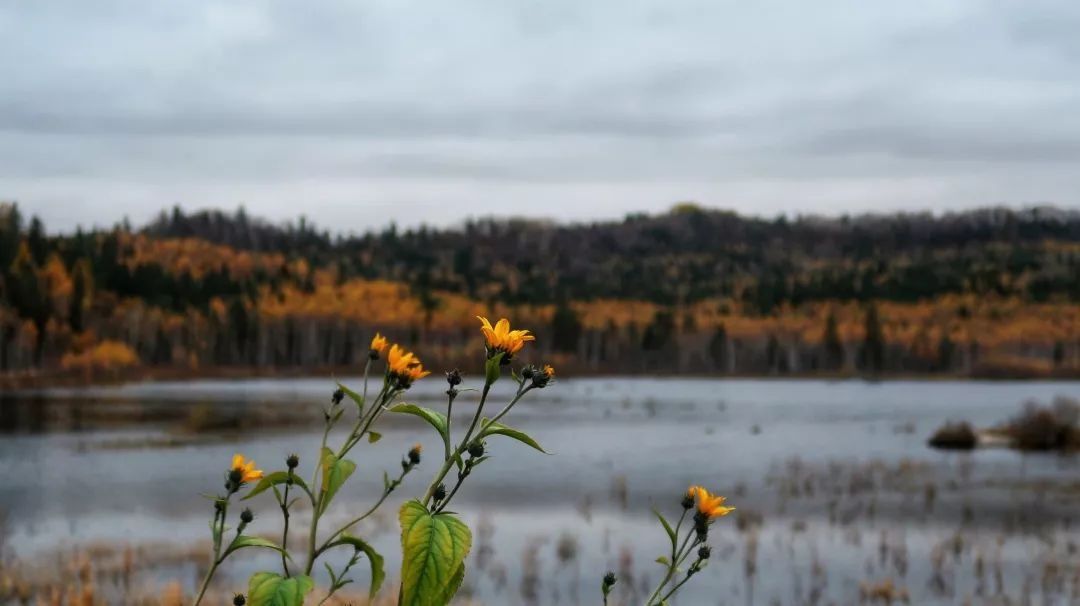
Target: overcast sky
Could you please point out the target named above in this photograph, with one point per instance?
(356, 112)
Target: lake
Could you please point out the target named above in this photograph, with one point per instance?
(839, 499)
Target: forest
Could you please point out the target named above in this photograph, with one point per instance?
(993, 292)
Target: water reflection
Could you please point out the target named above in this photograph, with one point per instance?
(838, 497)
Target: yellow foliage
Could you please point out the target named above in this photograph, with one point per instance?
(107, 356)
(198, 257)
(58, 282)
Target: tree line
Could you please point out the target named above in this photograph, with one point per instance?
(690, 290)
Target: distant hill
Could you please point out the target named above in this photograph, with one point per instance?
(689, 254)
(985, 292)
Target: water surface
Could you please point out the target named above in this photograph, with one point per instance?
(835, 488)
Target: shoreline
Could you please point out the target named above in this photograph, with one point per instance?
(54, 378)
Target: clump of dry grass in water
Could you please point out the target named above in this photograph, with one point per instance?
(1040, 428)
(954, 436)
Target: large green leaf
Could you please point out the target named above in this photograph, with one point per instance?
(489, 428)
(453, 586)
(355, 397)
(435, 418)
(243, 541)
(271, 589)
(434, 547)
(378, 571)
(335, 472)
(274, 479)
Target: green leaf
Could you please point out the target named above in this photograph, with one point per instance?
(243, 541)
(662, 560)
(373, 436)
(355, 397)
(453, 586)
(270, 589)
(434, 547)
(274, 479)
(490, 428)
(335, 472)
(667, 528)
(436, 419)
(330, 571)
(493, 368)
(378, 571)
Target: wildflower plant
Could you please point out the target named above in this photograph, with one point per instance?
(690, 547)
(434, 540)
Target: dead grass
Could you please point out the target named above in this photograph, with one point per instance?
(1044, 428)
(954, 436)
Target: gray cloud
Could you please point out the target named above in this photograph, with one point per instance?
(356, 113)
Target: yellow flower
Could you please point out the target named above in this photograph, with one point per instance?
(379, 343)
(405, 366)
(709, 505)
(549, 370)
(247, 470)
(501, 338)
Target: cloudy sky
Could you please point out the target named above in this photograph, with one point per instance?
(355, 112)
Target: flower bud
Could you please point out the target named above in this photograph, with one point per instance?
(688, 501)
(246, 516)
(528, 372)
(239, 600)
(337, 396)
(476, 449)
(704, 552)
(610, 579)
(440, 492)
(292, 461)
(414, 454)
(453, 377)
(235, 477)
(373, 354)
(541, 377)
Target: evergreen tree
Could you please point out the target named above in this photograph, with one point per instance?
(718, 348)
(660, 332)
(834, 345)
(81, 288)
(873, 354)
(10, 233)
(565, 329)
(36, 240)
(946, 352)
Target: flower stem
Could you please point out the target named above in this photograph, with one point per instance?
(285, 532)
(450, 394)
(364, 516)
(219, 529)
(446, 501)
(676, 558)
(206, 582)
(460, 448)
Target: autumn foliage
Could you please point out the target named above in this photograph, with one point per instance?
(990, 293)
